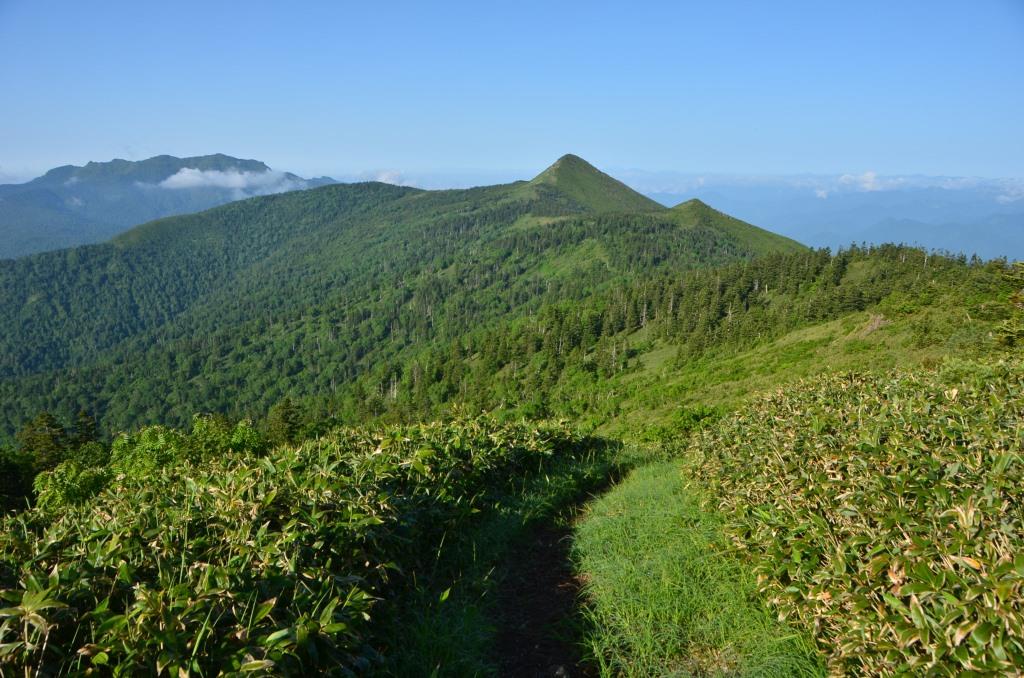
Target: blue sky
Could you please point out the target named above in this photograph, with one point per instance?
(496, 89)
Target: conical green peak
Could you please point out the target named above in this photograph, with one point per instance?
(591, 189)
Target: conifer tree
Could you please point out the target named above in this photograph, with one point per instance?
(44, 440)
(283, 422)
(1011, 332)
(85, 429)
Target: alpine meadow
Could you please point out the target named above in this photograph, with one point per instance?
(435, 421)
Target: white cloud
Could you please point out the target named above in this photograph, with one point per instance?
(957, 183)
(1011, 196)
(821, 193)
(865, 182)
(870, 181)
(241, 184)
(390, 177)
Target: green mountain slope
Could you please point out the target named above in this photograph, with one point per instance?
(301, 292)
(634, 357)
(695, 212)
(447, 506)
(591, 189)
(72, 205)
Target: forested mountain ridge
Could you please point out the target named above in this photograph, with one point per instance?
(697, 212)
(72, 205)
(67, 305)
(641, 352)
(363, 270)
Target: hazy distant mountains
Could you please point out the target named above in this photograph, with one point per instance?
(973, 216)
(73, 205)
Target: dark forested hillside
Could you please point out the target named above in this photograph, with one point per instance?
(67, 306)
(72, 205)
(231, 309)
(571, 359)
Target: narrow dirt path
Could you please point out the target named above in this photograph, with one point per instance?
(537, 634)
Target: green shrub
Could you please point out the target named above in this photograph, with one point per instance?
(682, 423)
(143, 452)
(235, 563)
(885, 514)
(1011, 332)
(136, 456)
(69, 483)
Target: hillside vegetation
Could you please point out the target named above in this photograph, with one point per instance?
(634, 355)
(299, 294)
(885, 513)
(808, 462)
(207, 552)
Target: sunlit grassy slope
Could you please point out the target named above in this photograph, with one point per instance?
(862, 341)
(857, 478)
(592, 189)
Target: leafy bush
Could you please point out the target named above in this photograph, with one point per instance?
(69, 483)
(88, 469)
(682, 423)
(1011, 332)
(234, 562)
(886, 514)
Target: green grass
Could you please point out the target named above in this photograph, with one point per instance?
(659, 388)
(664, 594)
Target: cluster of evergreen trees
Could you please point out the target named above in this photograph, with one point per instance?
(522, 365)
(302, 294)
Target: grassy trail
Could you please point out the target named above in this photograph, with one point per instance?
(609, 568)
(502, 597)
(664, 595)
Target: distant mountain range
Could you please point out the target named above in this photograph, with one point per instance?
(72, 205)
(956, 214)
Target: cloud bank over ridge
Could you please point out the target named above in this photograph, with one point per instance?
(241, 184)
